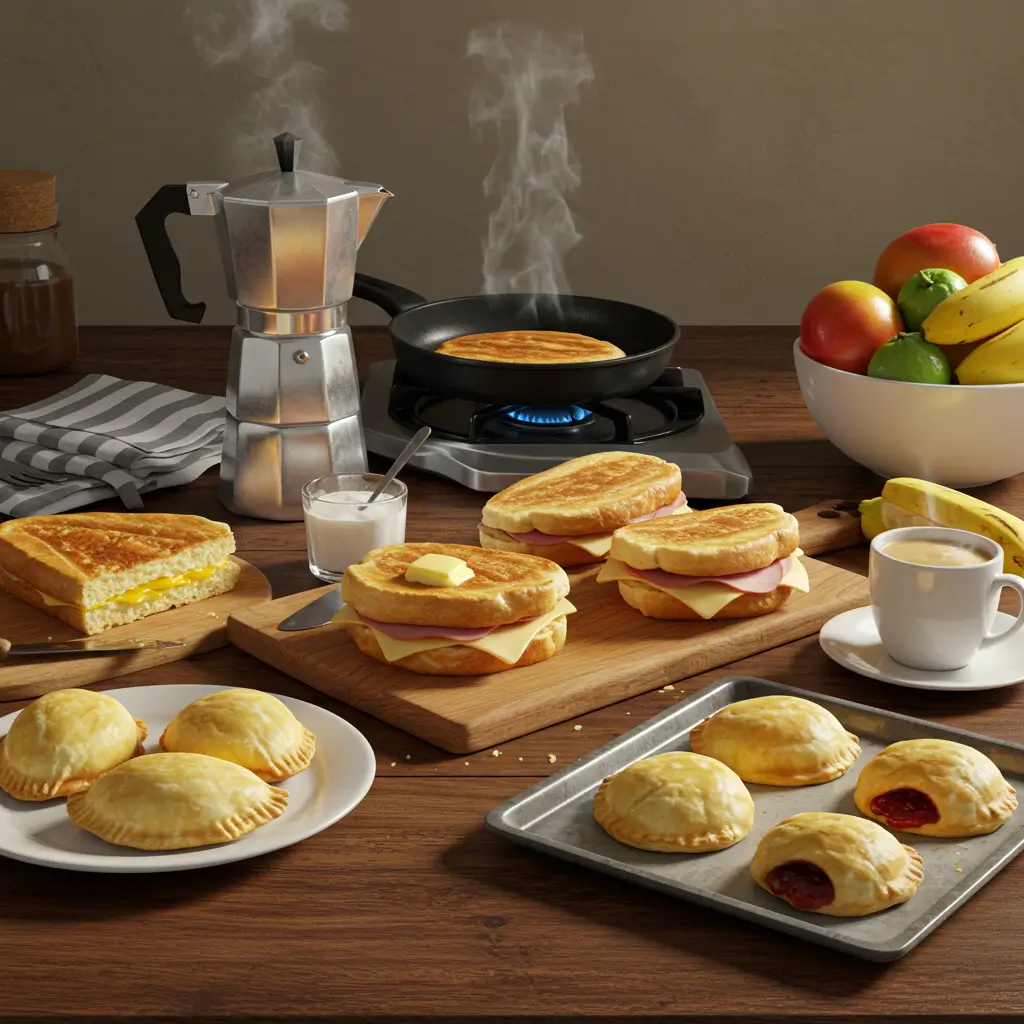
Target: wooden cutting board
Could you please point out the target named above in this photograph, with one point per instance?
(612, 652)
(200, 626)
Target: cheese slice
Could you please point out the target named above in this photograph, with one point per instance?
(706, 599)
(507, 643)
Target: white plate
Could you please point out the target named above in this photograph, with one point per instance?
(339, 777)
(851, 640)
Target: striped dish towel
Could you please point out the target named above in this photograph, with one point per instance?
(105, 437)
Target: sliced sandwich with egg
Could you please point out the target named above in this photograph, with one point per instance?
(453, 609)
(569, 513)
(733, 562)
(95, 570)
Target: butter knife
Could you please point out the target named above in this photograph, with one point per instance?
(87, 645)
(316, 613)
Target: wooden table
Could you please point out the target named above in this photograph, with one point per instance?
(407, 910)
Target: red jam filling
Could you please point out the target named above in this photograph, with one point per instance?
(905, 808)
(802, 884)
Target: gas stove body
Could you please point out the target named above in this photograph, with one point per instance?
(487, 448)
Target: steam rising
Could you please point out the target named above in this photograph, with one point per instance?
(530, 78)
(258, 36)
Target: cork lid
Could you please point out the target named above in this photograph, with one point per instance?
(28, 200)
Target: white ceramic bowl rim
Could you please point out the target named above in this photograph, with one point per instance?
(798, 353)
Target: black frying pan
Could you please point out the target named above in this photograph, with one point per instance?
(418, 327)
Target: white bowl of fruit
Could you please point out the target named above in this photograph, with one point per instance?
(922, 373)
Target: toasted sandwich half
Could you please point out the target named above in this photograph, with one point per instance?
(96, 570)
(733, 562)
(568, 513)
(509, 613)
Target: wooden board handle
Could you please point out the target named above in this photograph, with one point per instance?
(830, 526)
(5, 646)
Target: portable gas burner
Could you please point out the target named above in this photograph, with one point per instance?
(487, 447)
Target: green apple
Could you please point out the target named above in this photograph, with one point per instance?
(908, 357)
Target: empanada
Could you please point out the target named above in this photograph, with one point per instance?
(176, 801)
(836, 864)
(62, 742)
(935, 787)
(675, 803)
(777, 741)
(249, 727)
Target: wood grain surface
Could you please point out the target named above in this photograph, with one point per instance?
(611, 653)
(407, 910)
(200, 627)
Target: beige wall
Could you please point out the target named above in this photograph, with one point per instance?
(736, 154)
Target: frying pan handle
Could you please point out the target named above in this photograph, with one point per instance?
(392, 298)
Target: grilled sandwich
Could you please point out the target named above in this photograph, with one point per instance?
(488, 611)
(96, 570)
(568, 513)
(530, 347)
(733, 562)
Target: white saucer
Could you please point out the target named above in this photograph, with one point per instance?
(851, 640)
(339, 777)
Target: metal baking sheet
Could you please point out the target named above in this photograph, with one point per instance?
(555, 816)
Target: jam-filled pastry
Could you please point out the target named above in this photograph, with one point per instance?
(777, 741)
(675, 803)
(62, 742)
(935, 787)
(249, 727)
(176, 801)
(835, 864)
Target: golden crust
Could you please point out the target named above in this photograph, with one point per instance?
(535, 347)
(676, 802)
(710, 542)
(66, 555)
(176, 801)
(870, 869)
(247, 727)
(592, 494)
(64, 741)
(966, 787)
(506, 587)
(459, 660)
(778, 741)
(566, 555)
(656, 604)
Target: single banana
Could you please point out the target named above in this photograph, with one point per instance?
(906, 501)
(981, 310)
(871, 518)
(1000, 360)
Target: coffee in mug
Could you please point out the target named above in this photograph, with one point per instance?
(935, 593)
(934, 552)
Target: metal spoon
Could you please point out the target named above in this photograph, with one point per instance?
(321, 611)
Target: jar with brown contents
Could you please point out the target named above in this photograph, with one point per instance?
(38, 326)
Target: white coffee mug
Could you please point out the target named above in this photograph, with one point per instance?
(936, 617)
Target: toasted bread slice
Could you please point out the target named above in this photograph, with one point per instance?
(505, 587)
(712, 542)
(592, 494)
(530, 347)
(464, 661)
(86, 558)
(566, 555)
(656, 604)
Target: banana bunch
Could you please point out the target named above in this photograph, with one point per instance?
(991, 311)
(909, 502)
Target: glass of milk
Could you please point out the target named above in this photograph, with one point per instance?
(341, 527)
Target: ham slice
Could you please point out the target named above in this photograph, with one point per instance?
(406, 631)
(759, 581)
(537, 539)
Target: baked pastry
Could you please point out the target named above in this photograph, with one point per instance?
(835, 864)
(935, 787)
(777, 741)
(677, 802)
(176, 801)
(62, 742)
(249, 727)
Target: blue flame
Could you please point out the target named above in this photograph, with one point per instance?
(547, 415)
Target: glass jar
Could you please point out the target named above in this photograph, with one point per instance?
(38, 326)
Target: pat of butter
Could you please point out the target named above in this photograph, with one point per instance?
(439, 571)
